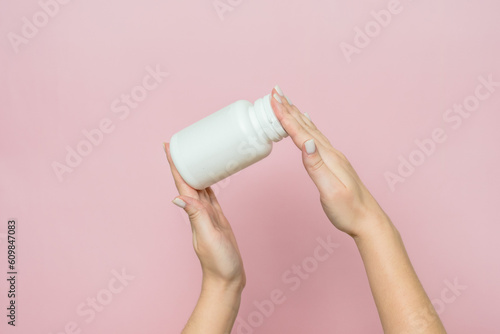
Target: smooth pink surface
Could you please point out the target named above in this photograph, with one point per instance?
(113, 212)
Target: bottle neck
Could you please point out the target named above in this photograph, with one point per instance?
(267, 120)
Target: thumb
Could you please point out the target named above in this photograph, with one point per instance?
(196, 210)
(192, 206)
(324, 179)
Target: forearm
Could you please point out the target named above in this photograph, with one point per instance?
(215, 311)
(401, 301)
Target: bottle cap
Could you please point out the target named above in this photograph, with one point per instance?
(268, 120)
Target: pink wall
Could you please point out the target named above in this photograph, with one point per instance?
(78, 231)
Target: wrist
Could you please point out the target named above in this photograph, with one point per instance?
(375, 227)
(222, 287)
(223, 294)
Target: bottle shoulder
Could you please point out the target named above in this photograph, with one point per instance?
(242, 105)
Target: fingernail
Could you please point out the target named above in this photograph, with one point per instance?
(179, 202)
(277, 97)
(307, 115)
(278, 89)
(310, 146)
(289, 101)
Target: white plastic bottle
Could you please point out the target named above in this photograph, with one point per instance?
(225, 142)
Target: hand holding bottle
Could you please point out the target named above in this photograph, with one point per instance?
(344, 198)
(402, 303)
(213, 238)
(222, 267)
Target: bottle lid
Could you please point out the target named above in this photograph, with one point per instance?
(268, 120)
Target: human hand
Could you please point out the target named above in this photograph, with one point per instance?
(213, 238)
(352, 209)
(346, 201)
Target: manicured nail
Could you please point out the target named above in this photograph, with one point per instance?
(179, 202)
(277, 97)
(307, 115)
(278, 89)
(310, 146)
(289, 101)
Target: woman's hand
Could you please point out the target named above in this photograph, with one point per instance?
(345, 200)
(221, 264)
(213, 238)
(401, 301)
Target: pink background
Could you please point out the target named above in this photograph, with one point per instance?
(113, 211)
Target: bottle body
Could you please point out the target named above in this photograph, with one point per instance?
(225, 142)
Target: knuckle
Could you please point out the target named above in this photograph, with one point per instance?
(286, 122)
(316, 165)
(196, 214)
